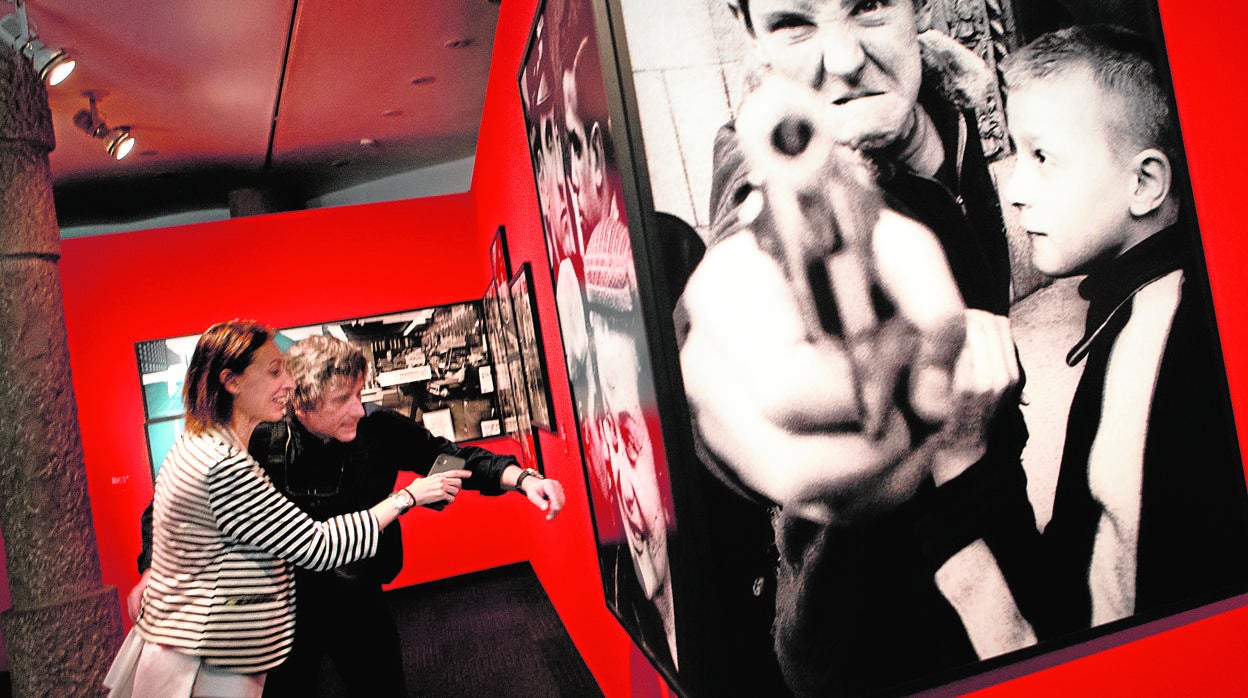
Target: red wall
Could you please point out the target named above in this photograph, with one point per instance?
(296, 268)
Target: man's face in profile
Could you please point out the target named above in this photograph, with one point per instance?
(627, 447)
(861, 56)
(583, 179)
(550, 184)
(337, 415)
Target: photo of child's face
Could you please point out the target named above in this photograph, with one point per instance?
(862, 57)
(1070, 185)
(630, 454)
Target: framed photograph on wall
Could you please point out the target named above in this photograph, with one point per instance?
(498, 357)
(507, 348)
(804, 465)
(162, 373)
(529, 332)
(603, 328)
(509, 375)
(500, 258)
(517, 379)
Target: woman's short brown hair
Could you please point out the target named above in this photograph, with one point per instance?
(224, 346)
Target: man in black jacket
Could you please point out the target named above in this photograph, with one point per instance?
(332, 456)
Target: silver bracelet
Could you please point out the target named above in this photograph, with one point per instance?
(400, 506)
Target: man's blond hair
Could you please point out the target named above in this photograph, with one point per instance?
(314, 362)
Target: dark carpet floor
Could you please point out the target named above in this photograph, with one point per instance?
(489, 633)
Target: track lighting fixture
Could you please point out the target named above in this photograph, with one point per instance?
(52, 64)
(117, 141)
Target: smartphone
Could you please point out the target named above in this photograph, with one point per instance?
(442, 464)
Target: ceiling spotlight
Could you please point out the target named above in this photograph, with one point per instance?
(52, 64)
(117, 141)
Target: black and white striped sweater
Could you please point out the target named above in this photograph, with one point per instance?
(224, 539)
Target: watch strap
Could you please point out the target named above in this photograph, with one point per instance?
(526, 473)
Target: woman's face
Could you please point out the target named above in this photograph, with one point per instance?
(262, 390)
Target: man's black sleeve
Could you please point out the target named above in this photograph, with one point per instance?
(145, 526)
(415, 448)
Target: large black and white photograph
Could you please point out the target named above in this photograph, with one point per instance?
(606, 350)
(942, 327)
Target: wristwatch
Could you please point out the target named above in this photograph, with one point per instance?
(402, 500)
(527, 473)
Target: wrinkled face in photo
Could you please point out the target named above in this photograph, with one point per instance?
(584, 175)
(861, 57)
(551, 181)
(629, 452)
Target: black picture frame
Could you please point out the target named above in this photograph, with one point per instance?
(529, 332)
(162, 368)
(507, 356)
(508, 369)
(500, 257)
(666, 108)
(518, 381)
(498, 355)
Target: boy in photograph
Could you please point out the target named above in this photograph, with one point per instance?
(1149, 512)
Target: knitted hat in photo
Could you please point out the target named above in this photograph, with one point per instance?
(610, 280)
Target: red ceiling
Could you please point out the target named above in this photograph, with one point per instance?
(212, 85)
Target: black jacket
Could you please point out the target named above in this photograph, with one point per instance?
(1193, 528)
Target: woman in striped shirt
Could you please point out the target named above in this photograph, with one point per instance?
(219, 610)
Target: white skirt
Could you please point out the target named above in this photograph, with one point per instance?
(147, 670)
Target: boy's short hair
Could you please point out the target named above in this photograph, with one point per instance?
(1122, 62)
(313, 362)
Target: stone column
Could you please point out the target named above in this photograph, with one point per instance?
(65, 626)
